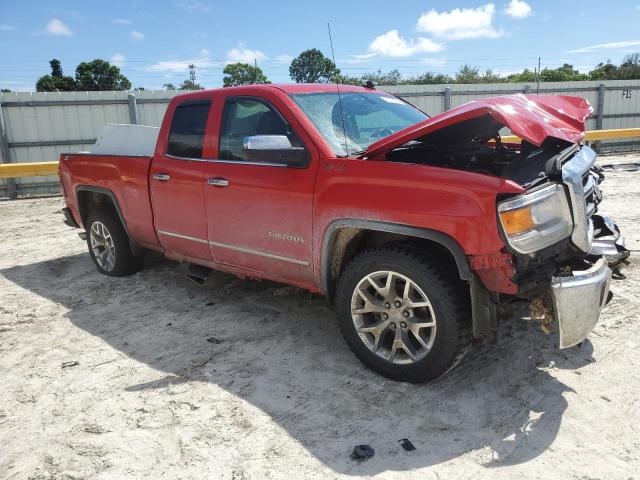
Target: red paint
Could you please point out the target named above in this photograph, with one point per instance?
(303, 202)
(496, 271)
(531, 117)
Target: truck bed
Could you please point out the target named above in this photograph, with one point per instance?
(126, 176)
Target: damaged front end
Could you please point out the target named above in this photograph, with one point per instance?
(560, 254)
(568, 282)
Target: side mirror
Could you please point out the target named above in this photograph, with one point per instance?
(274, 149)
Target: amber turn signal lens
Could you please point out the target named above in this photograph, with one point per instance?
(517, 221)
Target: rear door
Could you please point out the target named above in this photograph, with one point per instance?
(260, 212)
(177, 183)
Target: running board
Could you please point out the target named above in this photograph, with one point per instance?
(196, 273)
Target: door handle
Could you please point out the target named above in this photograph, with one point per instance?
(218, 182)
(163, 177)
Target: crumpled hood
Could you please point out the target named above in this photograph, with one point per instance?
(531, 117)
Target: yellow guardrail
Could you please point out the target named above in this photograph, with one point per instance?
(39, 169)
(593, 135)
(28, 169)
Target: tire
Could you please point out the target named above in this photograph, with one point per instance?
(436, 297)
(105, 225)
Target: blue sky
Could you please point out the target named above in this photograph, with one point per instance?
(153, 41)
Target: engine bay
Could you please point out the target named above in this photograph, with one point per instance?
(475, 145)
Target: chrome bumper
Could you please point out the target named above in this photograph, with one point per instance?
(578, 300)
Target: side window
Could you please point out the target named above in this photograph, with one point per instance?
(187, 129)
(248, 117)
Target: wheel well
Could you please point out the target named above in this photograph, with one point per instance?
(89, 201)
(348, 242)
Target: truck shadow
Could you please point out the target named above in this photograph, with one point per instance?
(279, 348)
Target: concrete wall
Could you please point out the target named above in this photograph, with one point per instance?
(37, 127)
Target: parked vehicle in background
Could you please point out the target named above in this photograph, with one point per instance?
(416, 228)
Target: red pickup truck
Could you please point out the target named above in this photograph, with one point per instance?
(417, 228)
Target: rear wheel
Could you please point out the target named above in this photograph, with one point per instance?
(404, 314)
(109, 245)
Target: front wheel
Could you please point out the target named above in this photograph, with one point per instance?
(403, 313)
(109, 245)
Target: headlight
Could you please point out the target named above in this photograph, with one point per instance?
(536, 220)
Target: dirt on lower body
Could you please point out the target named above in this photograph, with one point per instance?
(151, 376)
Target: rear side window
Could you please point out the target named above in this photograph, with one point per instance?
(187, 129)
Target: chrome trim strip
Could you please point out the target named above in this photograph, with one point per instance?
(256, 252)
(258, 164)
(237, 249)
(187, 158)
(184, 237)
(573, 172)
(233, 162)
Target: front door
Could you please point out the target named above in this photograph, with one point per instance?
(177, 184)
(259, 212)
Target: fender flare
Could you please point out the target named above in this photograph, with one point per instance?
(380, 226)
(112, 197)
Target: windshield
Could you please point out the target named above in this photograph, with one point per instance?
(367, 117)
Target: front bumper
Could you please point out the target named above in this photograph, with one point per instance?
(577, 301)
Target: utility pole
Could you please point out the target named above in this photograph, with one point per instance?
(255, 72)
(192, 74)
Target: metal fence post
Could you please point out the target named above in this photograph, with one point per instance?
(12, 191)
(133, 109)
(599, 113)
(527, 89)
(447, 98)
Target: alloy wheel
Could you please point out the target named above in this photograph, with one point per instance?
(104, 250)
(393, 317)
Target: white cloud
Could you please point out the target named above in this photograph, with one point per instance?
(121, 21)
(136, 35)
(58, 28)
(606, 46)
(182, 65)
(6, 28)
(194, 6)
(391, 44)
(118, 59)
(244, 55)
(518, 9)
(460, 23)
(284, 58)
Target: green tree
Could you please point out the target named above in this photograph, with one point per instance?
(523, 77)
(100, 75)
(490, 77)
(468, 74)
(565, 73)
(630, 67)
(242, 74)
(311, 66)
(429, 78)
(56, 68)
(169, 86)
(4, 90)
(605, 71)
(189, 85)
(392, 77)
(56, 82)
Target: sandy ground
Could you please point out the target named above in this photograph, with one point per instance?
(275, 393)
